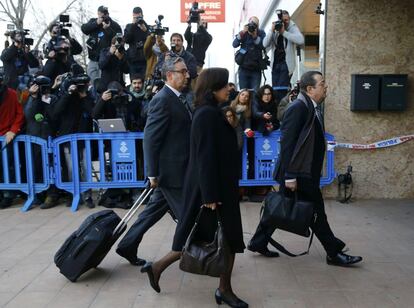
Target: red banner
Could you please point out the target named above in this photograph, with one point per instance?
(214, 10)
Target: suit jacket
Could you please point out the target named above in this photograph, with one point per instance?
(302, 143)
(167, 139)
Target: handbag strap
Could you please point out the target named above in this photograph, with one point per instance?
(282, 249)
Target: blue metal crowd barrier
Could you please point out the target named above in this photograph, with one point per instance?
(21, 175)
(266, 152)
(122, 166)
(122, 163)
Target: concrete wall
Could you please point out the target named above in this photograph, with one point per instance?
(370, 36)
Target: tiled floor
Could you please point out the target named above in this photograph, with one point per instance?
(381, 231)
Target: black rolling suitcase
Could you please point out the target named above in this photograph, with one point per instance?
(86, 247)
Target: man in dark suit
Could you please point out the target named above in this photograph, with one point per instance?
(302, 150)
(166, 152)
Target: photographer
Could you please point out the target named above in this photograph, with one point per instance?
(55, 31)
(137, 91)
(11, 122)
(177, 49)
(113, 63)
(135, 36)
(285, 101)
(116, 103)
(198, 42)
(39, 114)
(73, 111)
(154, 48)
(62, 62)
(250, 40)
(264, 110)
(17, 58)
(101, 30)
(282, 39)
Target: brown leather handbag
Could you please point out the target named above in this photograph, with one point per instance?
(203, 258)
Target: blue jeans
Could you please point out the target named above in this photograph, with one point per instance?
(280, 78)
(249, 79)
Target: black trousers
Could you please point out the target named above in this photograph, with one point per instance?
(161, 200)
(307, 190)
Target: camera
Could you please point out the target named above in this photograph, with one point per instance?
(114, 92)
(81, 82)
(194, 16)
(118, 43)
(63, 24)
(279, 22)
(76, 77)
(12, 33)
(91, 42)
(295, 91)
(44, 83)
(153, 85)
(158, 29)
(251, 27)
(140, 20)
(106, 19)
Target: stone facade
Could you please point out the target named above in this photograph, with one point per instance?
(372, 37)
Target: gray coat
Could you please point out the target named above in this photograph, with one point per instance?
(294, 37)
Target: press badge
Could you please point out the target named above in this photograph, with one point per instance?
(46, 99)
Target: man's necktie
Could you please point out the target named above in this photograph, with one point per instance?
(183, 100)
(319, 115)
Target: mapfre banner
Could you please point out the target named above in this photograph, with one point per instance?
(214, 10)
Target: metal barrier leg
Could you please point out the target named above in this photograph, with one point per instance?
(30, 177)
(75, 175)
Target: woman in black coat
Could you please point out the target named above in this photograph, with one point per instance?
(211, 180)
(264, 111)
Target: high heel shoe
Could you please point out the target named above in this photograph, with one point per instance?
(147, 268)
(237, 302)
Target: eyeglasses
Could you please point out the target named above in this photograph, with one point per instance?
(184, 71)
(267, 93)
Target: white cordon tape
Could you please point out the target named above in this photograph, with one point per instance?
(376, 145)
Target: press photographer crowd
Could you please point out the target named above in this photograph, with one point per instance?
(48, 94)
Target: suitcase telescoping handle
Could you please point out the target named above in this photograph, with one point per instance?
(135, 207)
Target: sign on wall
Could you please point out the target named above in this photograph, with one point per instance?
(214, 10)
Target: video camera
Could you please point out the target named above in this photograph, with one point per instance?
(76, 77)
(153, 85)
(279, 22)
(63, 24)
(12, 32)
(194, 16)
(158, 29)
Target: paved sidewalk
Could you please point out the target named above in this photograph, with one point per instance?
(381, 231)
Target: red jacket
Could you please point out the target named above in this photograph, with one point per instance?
(11, 113)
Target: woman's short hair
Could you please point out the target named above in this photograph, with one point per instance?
(261, 91)
(209, 80)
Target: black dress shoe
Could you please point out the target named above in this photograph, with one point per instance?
(263, 251)
(342, 259)
(134, 260)
(232, 302)
(147, 268)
